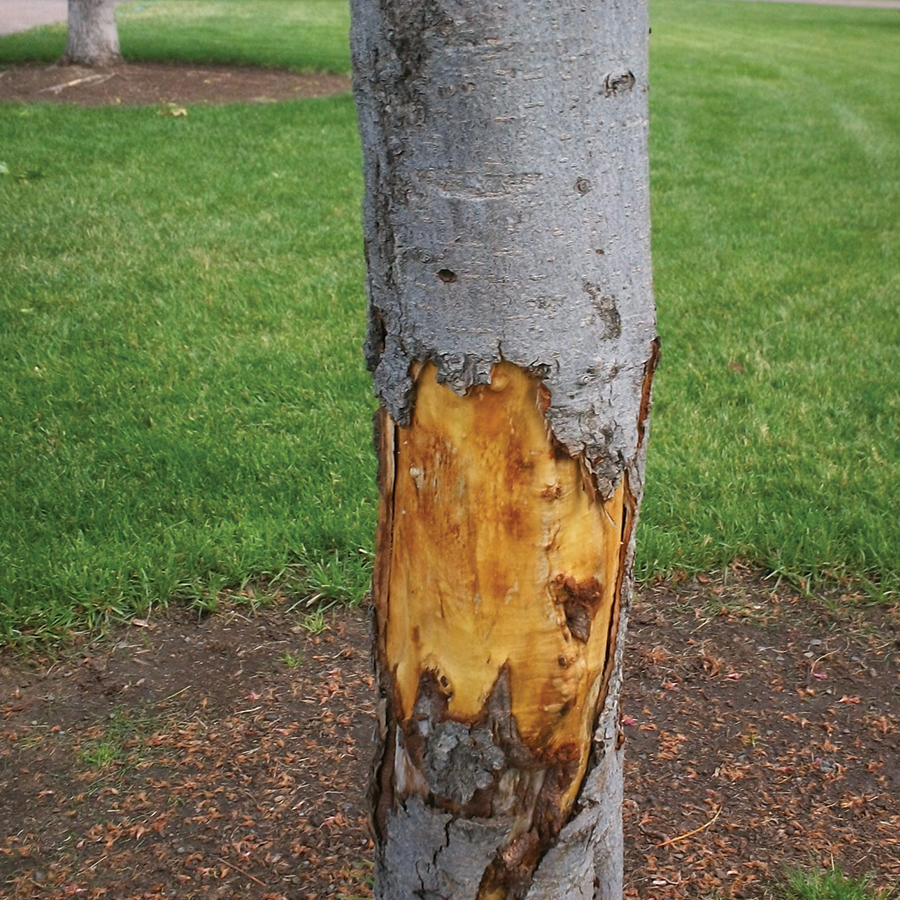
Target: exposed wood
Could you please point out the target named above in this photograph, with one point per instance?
(497, 541)
(496, 595)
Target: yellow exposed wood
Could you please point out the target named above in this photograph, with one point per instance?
(500, 556)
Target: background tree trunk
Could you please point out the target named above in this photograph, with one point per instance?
(512, 339)
(92, 38)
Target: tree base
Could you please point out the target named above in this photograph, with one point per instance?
(92, 39)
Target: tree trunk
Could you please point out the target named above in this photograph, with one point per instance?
(512, 339)
(92, 38)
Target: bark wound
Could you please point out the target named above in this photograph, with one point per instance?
(496, 585)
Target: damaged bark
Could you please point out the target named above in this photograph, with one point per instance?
(512, 339)
(496, 600)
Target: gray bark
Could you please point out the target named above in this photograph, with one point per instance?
(92, 38)
(507, 211)
(507, 218)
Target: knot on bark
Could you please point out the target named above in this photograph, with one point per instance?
(618, 83)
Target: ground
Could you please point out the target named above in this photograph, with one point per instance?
(161, 84)
(227, 756)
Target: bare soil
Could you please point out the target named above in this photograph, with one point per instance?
(158, 84)
(228, 756)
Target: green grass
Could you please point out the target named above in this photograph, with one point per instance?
(776, 200)
(182, 399)
(115, 742)
(291, 660)
(304, 35)
(831, 884)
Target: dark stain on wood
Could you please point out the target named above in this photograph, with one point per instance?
(580, 601)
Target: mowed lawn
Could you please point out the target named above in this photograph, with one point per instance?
(776, 199)
(303, 35)
(183, 403)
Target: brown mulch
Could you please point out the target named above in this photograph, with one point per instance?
(763, 731)
(227, 756)
(156, 83)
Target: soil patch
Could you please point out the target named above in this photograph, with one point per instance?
(763, 731)
(228, 756)
(158, 84)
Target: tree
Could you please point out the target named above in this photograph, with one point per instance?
(512, 340)
(92, 38)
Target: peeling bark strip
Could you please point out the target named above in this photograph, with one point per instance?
(512, 339)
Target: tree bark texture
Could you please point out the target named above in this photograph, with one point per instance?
(92, 38)
(512, 340)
